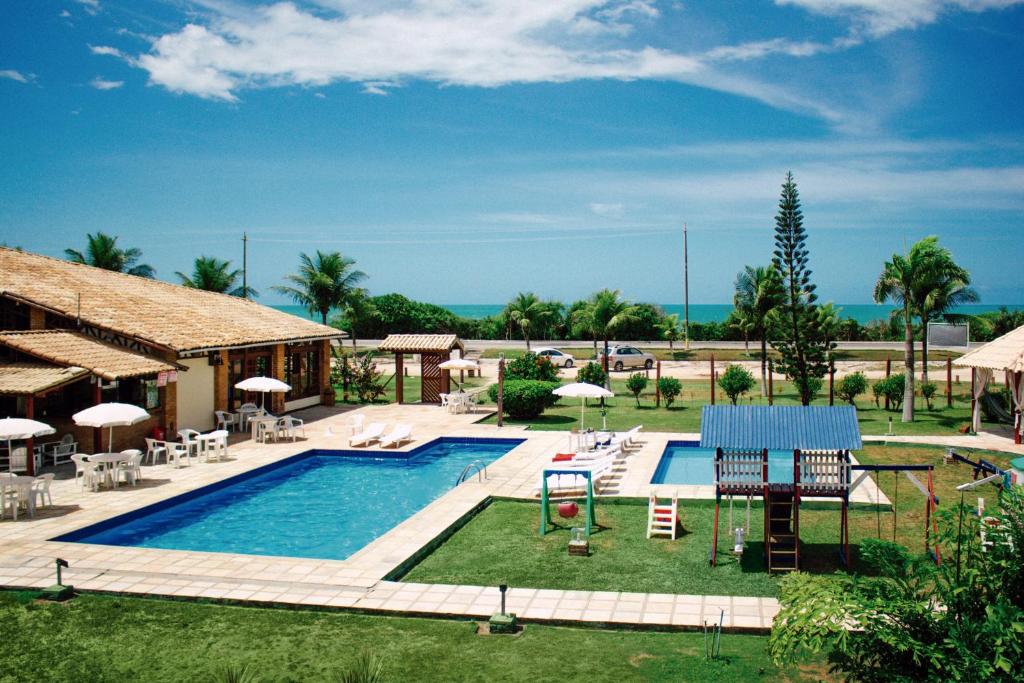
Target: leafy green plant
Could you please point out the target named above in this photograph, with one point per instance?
(235, 673)
(636, 384)
(531, 366)
(366, 379)
(852, 386)
(669, 387)
(591, 373)
(877, 391)
(736, 381)
(525, 399)
(928, 390)
(891, 388)
(368, 667)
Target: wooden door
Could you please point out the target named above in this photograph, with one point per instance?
(430, 385)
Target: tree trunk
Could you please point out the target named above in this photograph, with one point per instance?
(323, 315)
(353, 341)
(908, 344)
(746, 343)
(924, 349)
(607, 371)
(764, 366)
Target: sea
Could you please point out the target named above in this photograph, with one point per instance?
(700, 313)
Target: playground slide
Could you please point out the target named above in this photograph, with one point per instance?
(994, 407)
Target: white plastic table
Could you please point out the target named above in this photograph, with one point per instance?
(256, 421)
(21, 487)
(111, 465)
(245, 414)
(213, 446)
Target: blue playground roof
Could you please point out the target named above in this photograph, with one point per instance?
(782, 428)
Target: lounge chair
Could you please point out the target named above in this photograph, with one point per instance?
(563, 483)
(627, 438)
(372, 433)
(401, 432)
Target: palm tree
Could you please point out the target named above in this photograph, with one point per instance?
(322, 283)
(609, 312)
(829, 323)
(758, 293)
(902, 281)
(668, 328)
(945, 285)
(356, 312)
(581, 319)
(213, 275)
(101, 251)
(527, 313)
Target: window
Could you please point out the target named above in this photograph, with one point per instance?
(302, 371)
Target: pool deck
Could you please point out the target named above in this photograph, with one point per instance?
(360, 582)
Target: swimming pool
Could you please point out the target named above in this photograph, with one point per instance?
(685, 462)
(318, 504)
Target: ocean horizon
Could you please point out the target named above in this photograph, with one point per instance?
(699, 313)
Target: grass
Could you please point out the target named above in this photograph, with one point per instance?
(411, 389)
(583, 354)
(684, 415)
(100, 638)
(502, 544)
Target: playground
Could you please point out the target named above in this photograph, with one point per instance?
(502, 545)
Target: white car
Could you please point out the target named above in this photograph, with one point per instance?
(557, 358)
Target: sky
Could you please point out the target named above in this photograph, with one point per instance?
(464, 150)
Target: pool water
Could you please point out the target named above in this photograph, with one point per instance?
(685, 462)
(319, 504)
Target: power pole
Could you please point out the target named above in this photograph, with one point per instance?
(686, 292)
(245, 265)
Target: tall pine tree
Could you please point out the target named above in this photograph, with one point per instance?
(802, 350)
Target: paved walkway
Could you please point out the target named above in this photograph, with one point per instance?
(362, 580)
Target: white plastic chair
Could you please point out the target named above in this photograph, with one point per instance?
(131, 469)
(154, 449)
(86, 471)
(188, 437)
(18, 461)
(226, 421)
(289, 426)
(444, 400)
(8, 495)
(176, 452)
(41, 489)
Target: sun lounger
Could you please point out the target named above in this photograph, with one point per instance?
(586, 457)
(560, 483)
(372, 433)
(627, 438)
(401, 432)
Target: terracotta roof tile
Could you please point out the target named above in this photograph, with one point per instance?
(65, 347)
(417, 343)
(31, 378)
(161, 313)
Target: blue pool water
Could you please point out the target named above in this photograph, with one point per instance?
(685, 462)
(318, 504)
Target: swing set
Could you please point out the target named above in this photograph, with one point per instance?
(931, 503)
(545, 510)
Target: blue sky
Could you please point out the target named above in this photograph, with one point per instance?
(463, 150)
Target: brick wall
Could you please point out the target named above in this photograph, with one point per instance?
(220, 384)
(277, 371)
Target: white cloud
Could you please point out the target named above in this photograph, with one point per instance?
(64, 14)
(13, 75)
(105, 50)
(91, 6)
(102, 84)
(607, 210)
(882, 17)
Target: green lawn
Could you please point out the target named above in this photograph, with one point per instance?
(583, 354)
(502, 544)
(99, 638)
(411, 389)
(684, 415)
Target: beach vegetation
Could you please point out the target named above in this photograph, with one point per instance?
(736, 381)
(527, 314)
(101, 251)
(212, 274)
(758, 293)
(324, 283)
(525, 399)
(531, 366)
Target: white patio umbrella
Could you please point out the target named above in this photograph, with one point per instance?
(583, 391)
(19, 428)
(110, 415)
(459, 364)
(263, 385)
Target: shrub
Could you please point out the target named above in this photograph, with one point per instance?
(525, 399)
(531, 366)
(735, 381)
(852, 386)
(669, 387)
(591, 373)
(928, 390)
(813, 385)
(636, 384)
(877, 389)
(891, 388)
(366, 379)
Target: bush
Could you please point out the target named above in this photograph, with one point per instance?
(525, 399)
(928, 390)
(591, 373)
(877, 389)
(669, 387)
(531, 366)
(852, 386)
(735, 381)
(891, 388)
(814, 385)
(636, 384)
(366, 379)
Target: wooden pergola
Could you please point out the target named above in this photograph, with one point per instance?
(433, 349)
(1006, 354)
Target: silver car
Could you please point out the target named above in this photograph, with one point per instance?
(622, 357)
(558, 358)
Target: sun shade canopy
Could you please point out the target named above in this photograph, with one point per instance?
(1003, 353)
(784, 428)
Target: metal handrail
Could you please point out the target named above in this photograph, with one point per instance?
(481, 471)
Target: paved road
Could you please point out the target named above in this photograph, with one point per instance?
(481, 344)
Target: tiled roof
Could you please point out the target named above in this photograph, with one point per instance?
(175, 317)
(65, 347)
(31, 378)
(784, 428)
(418, 343)
(1004, 353)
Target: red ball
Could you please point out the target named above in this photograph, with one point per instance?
(568, 509)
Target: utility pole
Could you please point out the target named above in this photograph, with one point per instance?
(686, 292)
(245, 265)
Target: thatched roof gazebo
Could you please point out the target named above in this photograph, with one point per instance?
(1006, 354)
(434, 349)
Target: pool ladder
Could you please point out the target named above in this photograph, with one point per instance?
(481, 471)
